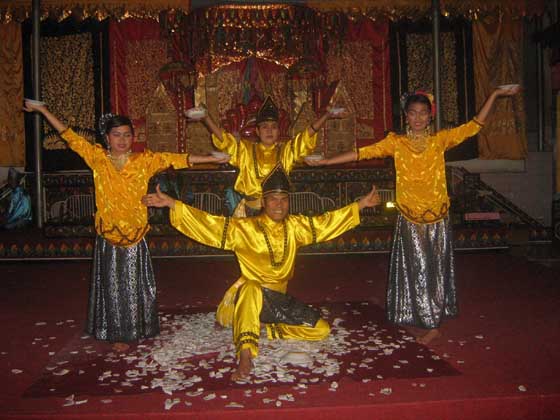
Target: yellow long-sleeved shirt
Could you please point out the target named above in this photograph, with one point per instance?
(421, 183)
(120, 217)
(245, 237)
(255, 160)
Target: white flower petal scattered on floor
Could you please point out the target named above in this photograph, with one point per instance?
(61, 372)
(80, 402)
(286, 397)
(480, 336)
(107, 401)
(17, 371)
(522, 388)
(209, 397)
(386, 391)
(234, 405)
(169, 403)
(40, 323)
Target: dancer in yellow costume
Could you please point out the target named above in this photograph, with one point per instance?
(421, 288)
(122, 301)
(265, 246)
(255, 160)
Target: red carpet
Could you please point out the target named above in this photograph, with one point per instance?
(373, 350)
(497, 360)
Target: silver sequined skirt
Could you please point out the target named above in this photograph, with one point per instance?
(421, 289)
(122, 299)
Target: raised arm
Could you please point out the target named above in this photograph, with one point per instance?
(42, 109)
(77, 143)
(200, 113)
(334, 223)
(222, 140)
(338, 113)
(213, 126)
(457, 135)
(489, 103)
(203, 227)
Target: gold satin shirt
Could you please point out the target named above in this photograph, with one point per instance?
(120, 216)
(421, 184)
(245, 238)
(255, 160)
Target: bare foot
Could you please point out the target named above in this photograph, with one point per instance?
(120, 347)
(429, 336)
(244, 367)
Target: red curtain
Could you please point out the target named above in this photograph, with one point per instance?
(376, 33)
(137, 53)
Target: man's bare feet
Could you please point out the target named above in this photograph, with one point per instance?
(429, 336)
(120, 347)
(244, 367)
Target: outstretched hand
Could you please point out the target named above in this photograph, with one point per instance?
(372, 199)
(31, 107)
(316, 162)
(508, 91)
(158, 199)
(197, 113)
(337, 113)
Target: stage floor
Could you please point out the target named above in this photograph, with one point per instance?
(497, 360)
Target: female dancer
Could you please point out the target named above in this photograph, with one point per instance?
(122, 302)
(421, 287)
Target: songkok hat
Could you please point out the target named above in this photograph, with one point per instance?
(267, 112)
(277, 181)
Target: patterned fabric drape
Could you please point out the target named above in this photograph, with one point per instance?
(137, 53)
(12, 136)
(411, 9)
(367, 74)
(498, 49)
(72, 84)
(412, 70)
(20, 10)
(69, 93)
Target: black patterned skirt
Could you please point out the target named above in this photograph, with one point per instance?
(281, 308)
(122, 298)
(421, 289)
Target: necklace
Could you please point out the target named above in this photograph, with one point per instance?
(273, 262)
(120, 160)
(417, 143)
